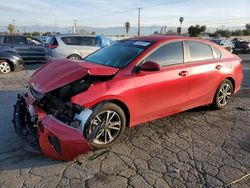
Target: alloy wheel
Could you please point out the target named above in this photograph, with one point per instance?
(225, 93)
(110, 123)
(5, 67)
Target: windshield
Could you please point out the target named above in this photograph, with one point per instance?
(119, 54)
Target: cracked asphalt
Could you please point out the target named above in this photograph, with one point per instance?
(198, 148)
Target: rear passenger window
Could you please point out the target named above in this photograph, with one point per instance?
(20, 40)
(199, 51)
(71, 40)
(80, 41)
(171, 53)
(89, 41)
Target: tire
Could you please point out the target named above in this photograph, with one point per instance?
(5, 67)
(223, 94)
(74, 57)
(103, 139)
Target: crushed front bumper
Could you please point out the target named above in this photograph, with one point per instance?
(42, 133)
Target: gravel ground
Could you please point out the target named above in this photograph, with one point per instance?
(197, 148)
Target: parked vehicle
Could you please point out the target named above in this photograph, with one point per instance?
(74, 46)
(76, 107)
(30, 53)
(226, 43)
(242, 47)
(34, 41)
(10, 62)
(43, 39)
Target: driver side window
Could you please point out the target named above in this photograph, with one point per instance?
(169, 54)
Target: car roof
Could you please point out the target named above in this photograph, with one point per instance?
(163, 38)
(72, 35)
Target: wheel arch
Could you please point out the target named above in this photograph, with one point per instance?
(231, 79)
(74, 54)
(123, 106)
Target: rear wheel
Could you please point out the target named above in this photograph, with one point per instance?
(74, 57)
(223, 94)
(112, 120)
(4, 67)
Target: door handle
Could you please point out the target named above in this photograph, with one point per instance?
(183, 73)
(218, 67)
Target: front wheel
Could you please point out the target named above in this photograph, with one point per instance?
(112, 120)
(223, 94)
(4, 67)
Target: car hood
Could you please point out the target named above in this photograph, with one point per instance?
(58, 73)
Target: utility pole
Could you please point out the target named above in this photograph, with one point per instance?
(74, 26)
(139, 21)
(55, 27)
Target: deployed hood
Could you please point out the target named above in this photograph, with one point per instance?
(58, 73)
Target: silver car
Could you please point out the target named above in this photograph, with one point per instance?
(74, 46)
(226, 43)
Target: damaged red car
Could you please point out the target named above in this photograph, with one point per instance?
(71, 107)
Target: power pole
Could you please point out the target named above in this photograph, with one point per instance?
(74, 26)
(139, 21)
(55, 27)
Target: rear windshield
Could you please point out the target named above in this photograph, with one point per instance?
(51, 41)
(80, 40)
(119, 54)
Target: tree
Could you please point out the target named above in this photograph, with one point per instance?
(181, 19)
(248, 26)
(127, 27)
(237, 32)
(195, 31)
(223, 33)
(11, 29)
(179, 30)
(156, 33)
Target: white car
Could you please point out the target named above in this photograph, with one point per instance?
(74, 46)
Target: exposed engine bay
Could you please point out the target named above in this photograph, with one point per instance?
(57, 102)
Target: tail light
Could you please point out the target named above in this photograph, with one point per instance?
(52, 46)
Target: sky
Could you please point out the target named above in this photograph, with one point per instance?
(107, 13)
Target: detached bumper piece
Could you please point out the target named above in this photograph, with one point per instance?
(43, 133)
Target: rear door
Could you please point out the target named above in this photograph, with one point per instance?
(165, 91)
(205, 72)
(29, 53)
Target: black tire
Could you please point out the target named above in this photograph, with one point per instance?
(111, 107)
(221, 99)
(74, 57)
(5, 67)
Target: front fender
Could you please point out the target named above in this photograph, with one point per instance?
(100, 92)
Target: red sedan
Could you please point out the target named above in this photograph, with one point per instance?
(72, 107)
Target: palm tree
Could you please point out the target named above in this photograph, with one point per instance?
(11, 29)
(127, 27)
(181, 19)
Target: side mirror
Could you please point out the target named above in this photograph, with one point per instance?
(150, 66)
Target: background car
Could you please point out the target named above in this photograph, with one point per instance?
(20, 45)
(10, 62)
(226, 43)
(43, 39)
(242, 47)
(87, 104)
(74, 46)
